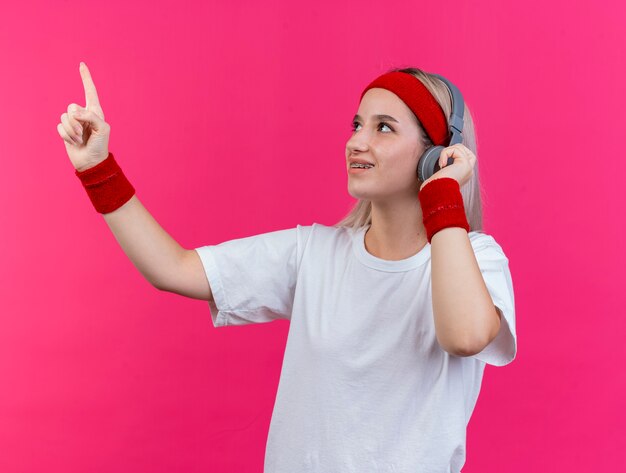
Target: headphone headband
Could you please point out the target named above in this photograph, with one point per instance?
(458, 105)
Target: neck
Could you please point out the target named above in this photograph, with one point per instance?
(397, 230)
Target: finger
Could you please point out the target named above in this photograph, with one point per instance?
(88, 117)
(443, 156)
(64, 135)
(74, 107)
(91, 95)
(78, 128)
(69, 129)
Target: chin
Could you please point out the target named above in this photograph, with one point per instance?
(355, 193)
(382, 195)
(359, 194)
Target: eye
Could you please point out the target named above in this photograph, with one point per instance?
(355, 124)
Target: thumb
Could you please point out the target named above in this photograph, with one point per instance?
(96, 123)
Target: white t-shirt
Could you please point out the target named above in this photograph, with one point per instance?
(364, 386)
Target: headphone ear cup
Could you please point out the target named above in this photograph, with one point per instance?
(428, 162)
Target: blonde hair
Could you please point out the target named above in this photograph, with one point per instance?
(361, 213)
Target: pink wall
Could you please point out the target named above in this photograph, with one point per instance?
(232, 121)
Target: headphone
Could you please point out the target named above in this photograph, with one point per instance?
(429, 161)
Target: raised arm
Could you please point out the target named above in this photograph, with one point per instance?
(157, 256)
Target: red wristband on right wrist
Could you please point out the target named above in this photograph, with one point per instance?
(107, 186)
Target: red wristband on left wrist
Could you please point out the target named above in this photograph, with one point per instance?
(442, 206)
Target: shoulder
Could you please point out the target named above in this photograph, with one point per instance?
(324, 236)
(319, 229)
(486, 245)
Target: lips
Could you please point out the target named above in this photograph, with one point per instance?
(361, 161)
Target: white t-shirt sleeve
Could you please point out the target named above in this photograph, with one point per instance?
(494, 266)
(253, 279)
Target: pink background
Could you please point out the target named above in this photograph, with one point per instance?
(231, 120)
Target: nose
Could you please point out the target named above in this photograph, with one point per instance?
(358, 142)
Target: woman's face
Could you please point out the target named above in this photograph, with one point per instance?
(391, 143)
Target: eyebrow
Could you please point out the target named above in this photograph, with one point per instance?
(380, 117)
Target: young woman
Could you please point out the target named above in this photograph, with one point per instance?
(393, 312)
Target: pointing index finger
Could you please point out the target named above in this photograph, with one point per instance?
(91, 95)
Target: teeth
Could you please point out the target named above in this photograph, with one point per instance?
(359, 165)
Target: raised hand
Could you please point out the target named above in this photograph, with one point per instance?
(83, 129)
(461, 169)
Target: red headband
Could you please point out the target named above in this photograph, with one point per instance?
(417, 97)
